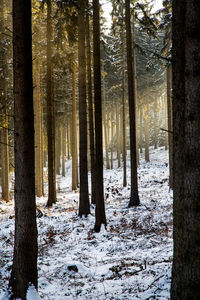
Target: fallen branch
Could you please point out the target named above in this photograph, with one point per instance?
(169, 131)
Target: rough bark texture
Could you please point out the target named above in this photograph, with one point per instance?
(84, 207)
(100, 206)
(50, 114)
(186, 154)
(134, 199)
(24, 269)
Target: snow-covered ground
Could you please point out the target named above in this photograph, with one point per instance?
(130, 259)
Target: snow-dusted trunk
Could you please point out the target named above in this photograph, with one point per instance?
(186, 145)
(24, 269)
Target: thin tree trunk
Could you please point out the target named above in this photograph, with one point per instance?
(170, 124)
(90, 108)
(74, 129)
(24, 269)
(38, 135)
(105, 120)
(63, 149)
(123, 110)
(146, 130)
(117, 117)
(141, 128)
(111, 140)
(3, 93)
(134, 199)
(155, 123)
(100, 216)
(50, 115)
(84, 207)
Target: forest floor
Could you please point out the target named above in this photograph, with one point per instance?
(130, 259)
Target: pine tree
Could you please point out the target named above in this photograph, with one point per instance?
(24, 269)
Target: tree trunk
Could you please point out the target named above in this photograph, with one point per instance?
(3, 96)
(141, 128)
(38, 135)
(155, 123)
(50, 115)
(186, 145)
(134, 199)
(74, 129)
(105, 121)
(63, 149)
(117, 117)
(24, 269)
(84, 207)
(146, 130)
(170, 124)
(90, 108)
(100, 216)
(123, 110)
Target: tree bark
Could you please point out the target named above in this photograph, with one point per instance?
(186, 145)
(90, 107)
(170, 124)
(24, 269)
(84, 207)
(50, 114)
(74, 130)
(100, 216)
(134, 199)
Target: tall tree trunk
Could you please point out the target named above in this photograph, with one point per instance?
(50, 115)
(112, 129)
(155, 123)
(170, 124)
(24, 269)
(135, 87)
(105, 120)
(117, 117)
(3, 95)
(123, 109)
(68, 135)
(58, 149)
(186, 145)
(141, 128)
(90, 107)
(38, 135)
(74, 130)
(63, 149)
(100, 216)
(134, 199)
(146, 130)
(84, 207)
